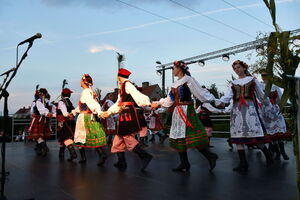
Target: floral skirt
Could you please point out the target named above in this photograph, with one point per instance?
(195, 137)
(95, 134)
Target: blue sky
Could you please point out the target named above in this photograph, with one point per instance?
(81, 36)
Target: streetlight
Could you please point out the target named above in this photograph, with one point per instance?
(225, 57)
(201, 63)
(259, 49)
(162, 78)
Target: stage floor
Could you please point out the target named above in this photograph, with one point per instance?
(51, 179)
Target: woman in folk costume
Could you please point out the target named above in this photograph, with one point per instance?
(128, 125)
(109, 122)
(39, 128)
(276, 126)
(65, 124)
(246, 123)
(186, 130)
(89, 133)
(155, 124)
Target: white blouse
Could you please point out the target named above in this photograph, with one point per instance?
(87, 97)
(200, 93)
(139, 98)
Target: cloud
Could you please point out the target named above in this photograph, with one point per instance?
(104, 47)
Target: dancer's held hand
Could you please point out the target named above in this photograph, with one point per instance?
(104, 115)
(154, 106)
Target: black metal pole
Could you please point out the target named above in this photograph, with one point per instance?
(5, 94)
(4, 173)
(163, 80)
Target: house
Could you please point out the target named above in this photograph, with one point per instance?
(22, 113)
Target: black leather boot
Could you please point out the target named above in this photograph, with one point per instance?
(121, 164)
(267, 154)
(142, 142)
(144, 156)
(43, 149)
(243, 166)
(102, 155)
(152, 139)
(275, 148)
(73, 154)
(82, 156)
(61, 153)
(38, 149)
(282, 151)
(211, 157)
(184, 162)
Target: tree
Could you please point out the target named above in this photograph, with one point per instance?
(283, 55)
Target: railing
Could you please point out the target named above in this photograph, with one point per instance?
(26, 122)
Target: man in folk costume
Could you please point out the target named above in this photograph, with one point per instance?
(109, 122)
(128, 125)
(89, 132)
(39, 128)
(65, 124)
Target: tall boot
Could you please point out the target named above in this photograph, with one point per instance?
(38, 149)
(243, 166)
(144, 156)
(267, 154)
(211, 157)
(210, 146)
(61, 153)
(121, 164)
(142, 142)
(275, 149)
(82, 156)
(43, 149)
(102, 155)
(73, 154)
(184, 162)
(230, 143)
(282, 151)
(109, 140)
(152, 139)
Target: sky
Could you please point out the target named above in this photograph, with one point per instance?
(83, 36)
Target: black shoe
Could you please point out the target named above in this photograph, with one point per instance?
(121, 164)
(211, 157)
(184, 163)
(73, 154)
(61, 153)
(282, 151)
(243, 166)
(144, 156)
(82, 156)
(102, 155)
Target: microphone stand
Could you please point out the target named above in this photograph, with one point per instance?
(5, 94)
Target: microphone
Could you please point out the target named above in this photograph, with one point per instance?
(7, 72)
(30, 40)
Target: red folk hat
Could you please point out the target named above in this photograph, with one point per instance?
(124, 73)
(66, 91)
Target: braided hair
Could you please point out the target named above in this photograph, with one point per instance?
(183, 67)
